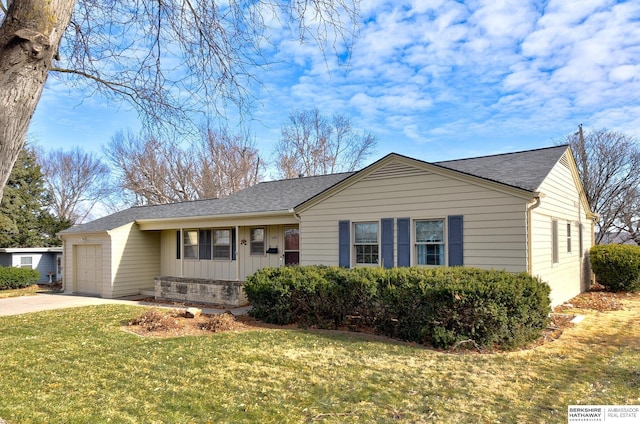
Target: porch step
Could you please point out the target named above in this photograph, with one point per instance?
(148, 292)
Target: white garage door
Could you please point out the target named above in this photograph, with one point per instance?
(88, 263)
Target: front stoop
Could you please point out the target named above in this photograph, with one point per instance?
(200, 290)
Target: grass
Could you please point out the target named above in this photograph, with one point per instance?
(27, 291)
(78, 366)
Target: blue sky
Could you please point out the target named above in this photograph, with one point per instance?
(434, 80)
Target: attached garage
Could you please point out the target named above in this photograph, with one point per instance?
(88, 272)
(113, 259)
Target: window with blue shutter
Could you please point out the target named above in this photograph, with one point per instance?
(456, 251)
(344, 244)
(404, 242)
(387, 242)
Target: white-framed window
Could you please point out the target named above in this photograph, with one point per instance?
(554, 241)
(366, 243)
(568, 237)
(190, 244)
(257, 237)
(222, 244)
(430, 244)
(26, 262)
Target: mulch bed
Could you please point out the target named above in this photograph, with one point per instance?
(596, 299)
(177, 324)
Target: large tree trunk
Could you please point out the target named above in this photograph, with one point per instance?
(29, 39)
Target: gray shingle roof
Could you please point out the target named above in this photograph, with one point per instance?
(269, 196)
(525, 170)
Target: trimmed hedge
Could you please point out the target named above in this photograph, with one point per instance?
(17, 278)
(437, 306)
(617, 266)
(448, 305)
(311, 295)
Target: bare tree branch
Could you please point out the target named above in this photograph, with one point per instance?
(156, 171)
(77, 181)
(175, 61)
(609, 167)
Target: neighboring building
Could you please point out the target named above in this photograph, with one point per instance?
(522, 212)
(47, 260)
(622, 237)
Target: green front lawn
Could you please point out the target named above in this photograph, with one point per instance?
(78, 366)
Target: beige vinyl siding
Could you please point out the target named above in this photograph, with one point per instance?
(194, 268)
(560, 202)
(274, 237)
(135, 258)
(222, 269)
(70, 245)
(494, 220)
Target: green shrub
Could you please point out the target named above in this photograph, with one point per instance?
(441, 306)
(617, 266)
(269, 292)
(17, 278)
(310, 296)
(437, 306)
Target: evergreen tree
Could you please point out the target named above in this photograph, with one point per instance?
(25, 220)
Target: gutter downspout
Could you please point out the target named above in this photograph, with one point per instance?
(295, 214)
(537, 198)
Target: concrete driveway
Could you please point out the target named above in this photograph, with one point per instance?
(48, 301)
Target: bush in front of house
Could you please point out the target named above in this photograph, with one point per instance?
(17, 278)
(616, 266)
(437, 306)
(445, 306)
(310, 295)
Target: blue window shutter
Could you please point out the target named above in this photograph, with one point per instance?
(387, 242)
(234, 245)
(178, 243)
(344, 241)
(404, 242)
(456, 255)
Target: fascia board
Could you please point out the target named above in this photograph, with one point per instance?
(263, 218)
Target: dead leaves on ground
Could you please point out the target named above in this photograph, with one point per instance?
(176, 322)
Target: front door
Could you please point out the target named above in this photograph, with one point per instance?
(291, 246)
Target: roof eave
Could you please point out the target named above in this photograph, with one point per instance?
(188, 221)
